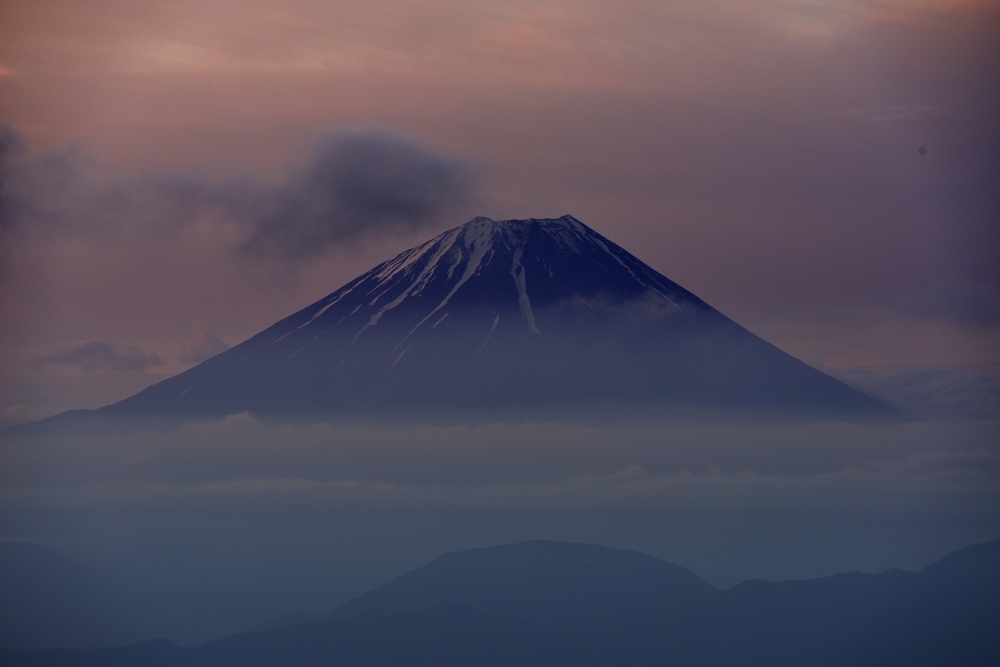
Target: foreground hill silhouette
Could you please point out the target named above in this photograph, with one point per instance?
(494, 316)
(546, 603)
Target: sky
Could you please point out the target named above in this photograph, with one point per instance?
(822, 172)
(178, 176)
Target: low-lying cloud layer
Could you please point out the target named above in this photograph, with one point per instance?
(221, 526)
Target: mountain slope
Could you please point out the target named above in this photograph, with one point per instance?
(498, 315)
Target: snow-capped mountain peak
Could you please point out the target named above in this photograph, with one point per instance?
(496, 315)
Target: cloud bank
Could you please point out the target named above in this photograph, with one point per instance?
(225, 525)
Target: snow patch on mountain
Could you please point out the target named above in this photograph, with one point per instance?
(496, 321)
(523, 302)
(478, 247)
(422, 279)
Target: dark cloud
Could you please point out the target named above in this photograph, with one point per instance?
(101, 356)
(203, 345)
(357, 182)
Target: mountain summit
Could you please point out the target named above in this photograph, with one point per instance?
(499, 315)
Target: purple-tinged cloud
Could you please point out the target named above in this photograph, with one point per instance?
(101, 356)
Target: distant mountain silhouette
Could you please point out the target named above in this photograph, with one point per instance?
(947, 614)
(540, 582)
(979, 561)
(499, 316)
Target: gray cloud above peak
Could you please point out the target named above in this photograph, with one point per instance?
(102, 356)
(354, 183)
(359, 181)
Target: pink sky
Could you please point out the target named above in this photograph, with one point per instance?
(765, 155)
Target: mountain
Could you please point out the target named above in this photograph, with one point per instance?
(979, 561)
(540, 582)
(481, 607)
(498, 316)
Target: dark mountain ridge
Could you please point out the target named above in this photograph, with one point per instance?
(540, 582)
(494, 316)
(478, 608)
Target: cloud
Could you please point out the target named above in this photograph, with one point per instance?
(930, 392)
(168, 246)
(357, 182)
(101, 356)
(264, 509)
(491, 455)
(203, 345)
(65, 194)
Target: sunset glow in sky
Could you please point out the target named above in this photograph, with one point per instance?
(824, 172)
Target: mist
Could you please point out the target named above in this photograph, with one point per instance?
(212, 528)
